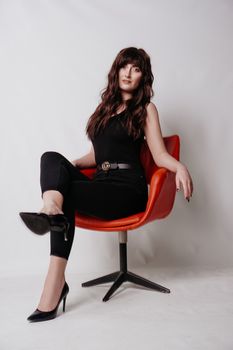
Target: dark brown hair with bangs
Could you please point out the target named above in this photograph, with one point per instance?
(112, 99)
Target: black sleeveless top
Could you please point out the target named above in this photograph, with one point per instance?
(115, 145)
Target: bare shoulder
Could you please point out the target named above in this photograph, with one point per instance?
(153, 132)
(152, 111)
(152, 123)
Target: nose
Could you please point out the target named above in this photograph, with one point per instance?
(128, 72)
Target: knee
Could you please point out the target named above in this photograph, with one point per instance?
(50, 155)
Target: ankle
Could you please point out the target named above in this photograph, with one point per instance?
(54, 282)
(52, 197)
(51, 209)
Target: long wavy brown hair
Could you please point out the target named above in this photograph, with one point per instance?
(112, 99)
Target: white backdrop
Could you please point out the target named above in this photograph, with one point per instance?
(55, 57)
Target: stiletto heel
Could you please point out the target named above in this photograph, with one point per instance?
(64, 303)
(38, 315)
(66, 231)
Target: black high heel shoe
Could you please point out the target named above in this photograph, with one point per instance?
(41, 223)
(38, 315)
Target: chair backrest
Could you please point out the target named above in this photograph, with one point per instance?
(172, 144)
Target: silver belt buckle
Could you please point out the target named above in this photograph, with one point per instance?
(105, 165)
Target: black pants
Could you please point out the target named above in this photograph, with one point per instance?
(111, 195)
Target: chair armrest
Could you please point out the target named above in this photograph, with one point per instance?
(162, 193)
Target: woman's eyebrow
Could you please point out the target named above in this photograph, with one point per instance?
(134, 65)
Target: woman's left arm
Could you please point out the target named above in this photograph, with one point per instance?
(162, 158)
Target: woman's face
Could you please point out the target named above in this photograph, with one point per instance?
(129, 77)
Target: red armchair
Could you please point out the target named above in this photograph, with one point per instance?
(162, 191)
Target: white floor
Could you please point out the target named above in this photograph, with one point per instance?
(197, 314)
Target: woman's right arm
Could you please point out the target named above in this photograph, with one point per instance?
(86, 161)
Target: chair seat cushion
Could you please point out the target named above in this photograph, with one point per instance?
(98, 224)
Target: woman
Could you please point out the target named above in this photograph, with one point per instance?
(116, 130)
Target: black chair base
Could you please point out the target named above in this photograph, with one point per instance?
(123, 275)
(119, 277)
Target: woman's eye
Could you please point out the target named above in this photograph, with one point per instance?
(135, 69)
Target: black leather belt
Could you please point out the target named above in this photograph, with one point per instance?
(107, 166)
